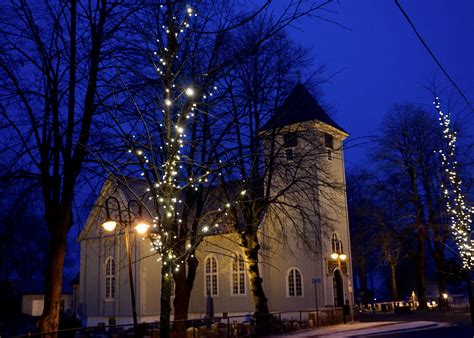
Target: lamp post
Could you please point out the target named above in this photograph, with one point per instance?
(339, 255)
(141, 227)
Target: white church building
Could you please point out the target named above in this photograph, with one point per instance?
(291, 271)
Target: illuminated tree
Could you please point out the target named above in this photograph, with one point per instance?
(459, 212)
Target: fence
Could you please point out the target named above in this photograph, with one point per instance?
(216, 327)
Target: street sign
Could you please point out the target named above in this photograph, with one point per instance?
(316, 280)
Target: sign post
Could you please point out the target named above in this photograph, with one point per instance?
(315, 282)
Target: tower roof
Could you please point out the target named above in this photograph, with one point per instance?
(300, 106)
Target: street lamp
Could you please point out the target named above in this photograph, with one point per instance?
(141, 227)
(339, 255)
(446, 301)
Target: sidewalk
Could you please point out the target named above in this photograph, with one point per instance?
(361, 328)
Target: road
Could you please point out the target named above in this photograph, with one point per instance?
(458, 331)
(459, 324)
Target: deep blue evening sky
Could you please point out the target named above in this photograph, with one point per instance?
(382, 60)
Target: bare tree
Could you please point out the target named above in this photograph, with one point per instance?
(54, 61)
(273, 185)
(407, 150)
(364, 213)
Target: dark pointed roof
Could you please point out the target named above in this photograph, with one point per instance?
(300, 106)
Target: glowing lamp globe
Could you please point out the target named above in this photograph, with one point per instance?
(109, 225)
(343, 257)
(142, 228)
(334, 255)
(190, 91)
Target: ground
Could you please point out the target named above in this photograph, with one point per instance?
(430, 324)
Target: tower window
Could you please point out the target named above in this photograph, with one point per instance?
(290, 140)
(328, 141)
(336, 243)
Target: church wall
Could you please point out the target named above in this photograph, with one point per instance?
(95, 251)
(223, 248)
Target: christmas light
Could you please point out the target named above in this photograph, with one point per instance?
(460, 215)
(190, 92)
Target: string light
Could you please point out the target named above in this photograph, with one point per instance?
(190, 92)
(460, 215)
(168, 179)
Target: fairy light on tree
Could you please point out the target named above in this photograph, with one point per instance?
(459, 213)
(169, 149)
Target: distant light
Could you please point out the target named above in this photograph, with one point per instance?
(343, 257)
(334, 255)
(168, 102)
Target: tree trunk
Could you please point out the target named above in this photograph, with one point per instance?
(363, 281)
(420, 272)
(165, 300)
(251, 247)
(470, 295)
(393, 282)
(440, 266)
(49, 320)
(183, 288)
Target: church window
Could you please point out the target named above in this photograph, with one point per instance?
(290, 141)
(211, 276)
(110, 278)
(238, 276)
(329, 143)
(295, 283)
(336, 243)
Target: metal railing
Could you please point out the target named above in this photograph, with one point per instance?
(216, 327)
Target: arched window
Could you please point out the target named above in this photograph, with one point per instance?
(211, 276)
(295, 283)
(238, 275)
(336, 243)
(109, 278)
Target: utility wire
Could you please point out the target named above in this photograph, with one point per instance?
(433, 56)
